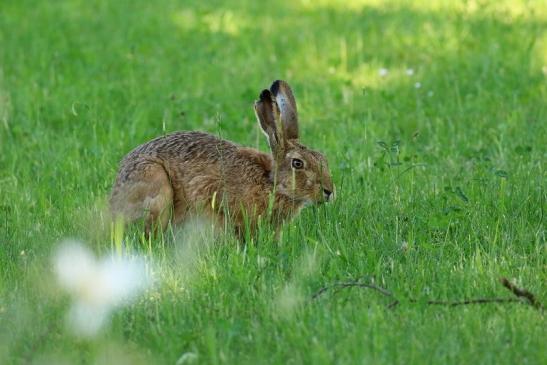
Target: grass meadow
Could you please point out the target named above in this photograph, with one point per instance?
(433, 115)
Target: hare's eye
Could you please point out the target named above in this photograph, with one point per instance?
(297, 163)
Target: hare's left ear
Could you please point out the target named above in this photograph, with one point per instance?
(268, 114)
(287, 106)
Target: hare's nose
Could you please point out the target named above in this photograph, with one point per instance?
(327, 193)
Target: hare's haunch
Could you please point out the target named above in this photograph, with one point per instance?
(185, 173)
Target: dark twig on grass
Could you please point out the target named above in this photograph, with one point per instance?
(351, 284)
(470, 301)
(522, 293)
(519, 292)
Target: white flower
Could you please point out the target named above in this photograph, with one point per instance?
(187, 358)
(97, 287)
(410, 71)
(383, 72)
(418, 85)
(288, 301)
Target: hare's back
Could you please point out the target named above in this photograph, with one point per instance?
(185, 145)
(174, 151)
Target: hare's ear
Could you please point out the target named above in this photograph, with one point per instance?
(268, 115)
(287, 105)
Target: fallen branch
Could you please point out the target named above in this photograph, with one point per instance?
(471, 301)
(460, 302)
(522, 293)
(519, 292)
(351, 284)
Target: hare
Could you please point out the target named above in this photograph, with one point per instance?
(172, 177)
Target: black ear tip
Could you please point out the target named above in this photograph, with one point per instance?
(266, 95)
(275, 87)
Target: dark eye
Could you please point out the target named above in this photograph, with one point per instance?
(297, 163)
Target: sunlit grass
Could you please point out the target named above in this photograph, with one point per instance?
(432, 115)
(504, 9)
(222, 21)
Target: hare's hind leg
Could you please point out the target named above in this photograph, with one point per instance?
(146, 193)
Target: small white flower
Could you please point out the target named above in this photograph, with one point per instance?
(418, 85)
(262, 261)
(187, 358)
(288, 301)
(383, 72)
(410, 71)
(97, 287)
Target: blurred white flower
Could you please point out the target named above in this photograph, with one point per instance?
(187, 358)
(97, 287)
(262, 261)
(410, 71)
(418, 85)
(383, 72)
(288, 300)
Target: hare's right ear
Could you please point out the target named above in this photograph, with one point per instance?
(284, 97)
(268, 114)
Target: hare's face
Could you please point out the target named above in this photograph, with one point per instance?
(301, 174)
(304, 176)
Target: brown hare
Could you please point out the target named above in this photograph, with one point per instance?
(190, 173)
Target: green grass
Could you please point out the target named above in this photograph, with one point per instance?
(453, 170)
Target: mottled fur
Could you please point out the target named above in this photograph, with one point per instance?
(187, 173)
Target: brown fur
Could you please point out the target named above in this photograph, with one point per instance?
(187, 173)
